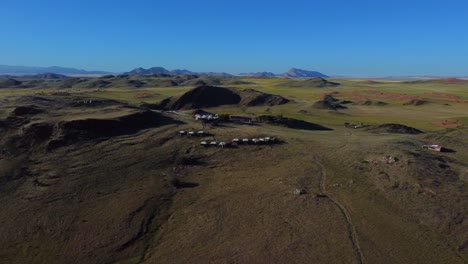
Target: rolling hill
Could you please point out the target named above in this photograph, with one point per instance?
(212, 96)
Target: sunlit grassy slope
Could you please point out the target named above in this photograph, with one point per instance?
(443, 101)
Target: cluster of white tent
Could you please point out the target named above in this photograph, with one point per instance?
(235, 141)
(240, 141)
(193, 133)
(214, 144)
(206, 117)
(265, 140)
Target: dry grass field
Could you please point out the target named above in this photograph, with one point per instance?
(108, 181)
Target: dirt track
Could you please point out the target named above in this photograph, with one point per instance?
(351, 229)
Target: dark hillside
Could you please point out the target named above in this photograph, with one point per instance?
(212, 96)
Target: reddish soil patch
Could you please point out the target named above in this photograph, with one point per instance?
(445, 96)
(369, 94)
(406, 98)
(369, 82)
(330, 94)
(449, 124)
(451, 80)
(91, 91)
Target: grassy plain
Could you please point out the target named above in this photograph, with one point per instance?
(444, 101)
(111, 200)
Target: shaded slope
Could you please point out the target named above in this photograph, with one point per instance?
(252, 97)
(202, 97)
(309, 83)
(47, 76)
(328, 102)
(290, 123)
(212, 96)
(396, 128)
(86, 129)
(26, 110)
(9, 83)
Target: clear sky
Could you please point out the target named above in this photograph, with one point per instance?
(336, 37)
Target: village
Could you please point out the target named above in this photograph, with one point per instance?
(205, 118)
(209, 119)
(232, 143)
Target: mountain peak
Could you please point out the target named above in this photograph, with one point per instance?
(299, 73)
(152, 70)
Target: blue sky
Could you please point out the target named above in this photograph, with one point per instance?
(360, 38)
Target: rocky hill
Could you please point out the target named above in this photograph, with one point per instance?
(212, 96)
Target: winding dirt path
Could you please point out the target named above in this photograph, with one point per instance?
(351, 229)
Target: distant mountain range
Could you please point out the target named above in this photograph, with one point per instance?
(24, 70)
(49, 72)
(292, 73)
(46, 76)
(298, 73)
(153, 70)
(260, 74)
(161, 70)
(27, 70)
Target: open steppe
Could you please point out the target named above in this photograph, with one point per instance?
(94, 171)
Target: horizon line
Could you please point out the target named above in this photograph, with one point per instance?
(245, 73)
